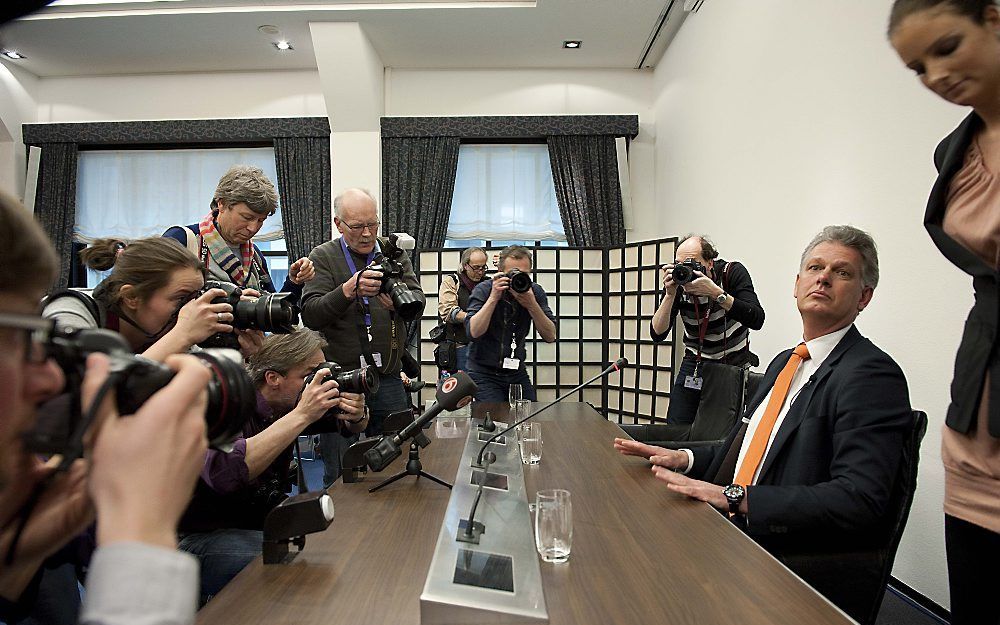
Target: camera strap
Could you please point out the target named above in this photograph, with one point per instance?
(354, 269)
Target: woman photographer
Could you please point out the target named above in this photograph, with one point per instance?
(953, 46)
(152, 298)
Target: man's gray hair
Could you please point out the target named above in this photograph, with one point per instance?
(282, 353)
(339, 200)
(467, 256)
(854, 238)
(249, 185)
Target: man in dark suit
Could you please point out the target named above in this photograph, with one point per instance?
(811, 467)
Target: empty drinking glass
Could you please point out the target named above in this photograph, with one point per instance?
(553, 525)
(515, 394)
(529, 442)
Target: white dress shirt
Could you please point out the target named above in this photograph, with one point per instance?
(819, 350)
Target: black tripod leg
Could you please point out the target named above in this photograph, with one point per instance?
(434, 478)
(387, 481)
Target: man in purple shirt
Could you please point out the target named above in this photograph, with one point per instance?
(223, 524)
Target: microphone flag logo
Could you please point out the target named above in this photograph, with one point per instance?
(449, 385)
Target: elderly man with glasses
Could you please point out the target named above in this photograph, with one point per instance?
(453, 302)
(359, 322)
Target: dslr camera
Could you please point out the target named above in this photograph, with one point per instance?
(271, 312)
(520, 282)
(363, 380)
(406, 303)
(231, 396)
(683, 272)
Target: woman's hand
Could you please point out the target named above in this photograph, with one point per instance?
(200, 318)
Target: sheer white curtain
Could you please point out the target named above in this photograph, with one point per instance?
(140, 193)
(504, 192)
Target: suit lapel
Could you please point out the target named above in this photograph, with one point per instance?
(800, 407)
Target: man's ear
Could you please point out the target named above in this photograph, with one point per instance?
(866, 298)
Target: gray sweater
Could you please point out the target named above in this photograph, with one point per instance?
(326, 309)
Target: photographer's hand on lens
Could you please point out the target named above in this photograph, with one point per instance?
(386, 301)
(352, 406)
(526, 299)
(301, 271)
(318, 396)
(200, 318)
(703, 286)
(666, 273)
(501, 284)
(143, 467)
(62, 512)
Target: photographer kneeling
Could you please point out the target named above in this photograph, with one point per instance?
(153, 298)
(223, 524)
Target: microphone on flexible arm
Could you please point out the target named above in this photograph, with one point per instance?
(453, 392)
(472, 530)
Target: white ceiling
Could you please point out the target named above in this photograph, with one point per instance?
(221, 35)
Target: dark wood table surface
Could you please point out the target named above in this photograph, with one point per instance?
(641, 554)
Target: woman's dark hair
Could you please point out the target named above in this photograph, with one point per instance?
(146, 264)
(973, 9)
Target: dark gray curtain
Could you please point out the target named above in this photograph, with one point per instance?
(303, 165)
(418, 182)
(55, 202)
(585, 173)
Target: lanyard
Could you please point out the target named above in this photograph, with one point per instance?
(354, 270)
(702, 325)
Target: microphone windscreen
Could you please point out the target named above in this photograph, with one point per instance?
(621, 363)
(455, 391)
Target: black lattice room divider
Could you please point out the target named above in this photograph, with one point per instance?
(604, 300)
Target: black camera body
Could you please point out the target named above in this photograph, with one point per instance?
(520, 281)
(363, 380)
(231, 395)
(683, 272)
(271, 312)
(408, 306)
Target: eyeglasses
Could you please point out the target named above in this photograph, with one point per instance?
(478, 267)
(35, 335)
(372, 227)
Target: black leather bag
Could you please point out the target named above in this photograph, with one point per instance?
(446, 355)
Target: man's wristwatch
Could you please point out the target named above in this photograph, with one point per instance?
(364, 415)
(734, 495)
(721, 299)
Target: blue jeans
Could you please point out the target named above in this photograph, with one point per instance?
(683, 401)
(390, 398)
(495, 386)
(221, 555)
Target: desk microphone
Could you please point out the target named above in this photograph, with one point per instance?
(452, 393)
(473, 529)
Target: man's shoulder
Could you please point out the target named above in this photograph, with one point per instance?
(327, 248)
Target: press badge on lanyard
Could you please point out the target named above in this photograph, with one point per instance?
(377, 356)
(511, 362)
(695, 381)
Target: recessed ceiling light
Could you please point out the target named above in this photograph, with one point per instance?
(283, 45)
(13, 54)
(572, 44)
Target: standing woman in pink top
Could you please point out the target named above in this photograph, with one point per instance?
(954, 48)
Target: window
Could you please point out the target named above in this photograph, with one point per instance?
(504, 194)
(140, 193)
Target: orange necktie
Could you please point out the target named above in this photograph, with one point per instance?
(755, 453)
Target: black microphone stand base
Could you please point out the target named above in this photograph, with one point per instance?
(413, 467)
(478, 529)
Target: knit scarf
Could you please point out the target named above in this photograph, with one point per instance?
(219, 248)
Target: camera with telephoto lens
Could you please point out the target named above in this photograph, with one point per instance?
(363, 380)
(520, 282)
(232, 399)
(683, 272)
(271, 312)
(406, 303)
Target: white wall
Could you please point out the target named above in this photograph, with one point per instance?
(537, 92)
(777, 117)
(17, 106)
(180, 96)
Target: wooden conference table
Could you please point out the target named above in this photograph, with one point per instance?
(641, 554)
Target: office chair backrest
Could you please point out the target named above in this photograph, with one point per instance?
(722, 401)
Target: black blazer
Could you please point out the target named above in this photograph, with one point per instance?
(833, 463)
(978, 349)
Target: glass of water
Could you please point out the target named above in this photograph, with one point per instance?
(515, 394)
(553, 525)
(529, 442)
